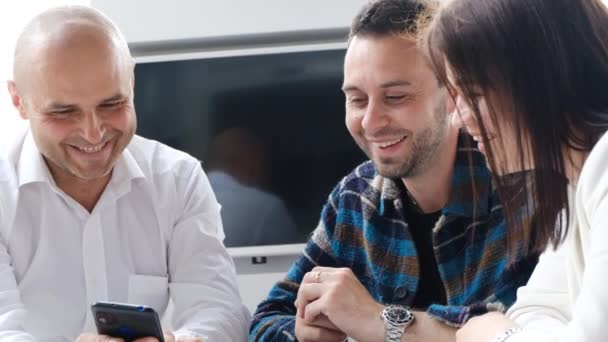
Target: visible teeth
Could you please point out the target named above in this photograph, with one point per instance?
(390, 143)
(92, 149)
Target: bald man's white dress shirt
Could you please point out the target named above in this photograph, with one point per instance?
(155, 234)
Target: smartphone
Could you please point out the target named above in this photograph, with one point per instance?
(126, 321)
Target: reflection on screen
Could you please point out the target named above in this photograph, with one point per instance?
(269, 130)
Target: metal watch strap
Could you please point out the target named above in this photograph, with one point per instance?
(393, 333)
(396, 319)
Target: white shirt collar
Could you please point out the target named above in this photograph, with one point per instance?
(125, 170)
(31, 167)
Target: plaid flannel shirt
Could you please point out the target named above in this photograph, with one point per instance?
(363, 228)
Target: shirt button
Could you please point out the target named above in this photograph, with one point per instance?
(401, 292)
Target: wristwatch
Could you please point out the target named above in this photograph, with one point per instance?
(396, 319)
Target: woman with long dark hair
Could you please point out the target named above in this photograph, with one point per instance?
(531, 78)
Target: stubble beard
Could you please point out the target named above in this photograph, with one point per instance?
(424, 150)
(420, 156)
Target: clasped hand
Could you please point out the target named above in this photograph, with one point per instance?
(333, 304)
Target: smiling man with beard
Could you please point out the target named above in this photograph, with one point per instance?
(413, 242)
(91, 212)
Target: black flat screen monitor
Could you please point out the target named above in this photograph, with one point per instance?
(268, 128)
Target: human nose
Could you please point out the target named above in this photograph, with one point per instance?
(93, 128)
(374, 117)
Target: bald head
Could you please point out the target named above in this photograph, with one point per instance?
(62, 30)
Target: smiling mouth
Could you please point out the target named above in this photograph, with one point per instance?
(91, 149)
(391, 143)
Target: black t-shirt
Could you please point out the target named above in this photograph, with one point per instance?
(430, 286)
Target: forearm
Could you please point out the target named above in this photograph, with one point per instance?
(424, 328)
(274, 319)
(214, 320)
(427, 329)
(12, 318)
(12, 311)
(211, 310)
(16, 336)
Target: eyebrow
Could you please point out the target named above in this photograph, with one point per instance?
(114, 98)
(389, 84)
(57, 106)
(346, 88)
(396, 83)
(60, 105)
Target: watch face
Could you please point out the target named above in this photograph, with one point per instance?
(398, 315)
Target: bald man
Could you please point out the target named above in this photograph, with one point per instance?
(91, 212)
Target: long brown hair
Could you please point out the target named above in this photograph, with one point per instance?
(542, 68)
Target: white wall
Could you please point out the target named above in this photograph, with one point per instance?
(153, 20)
(167, 20)
(13, 17)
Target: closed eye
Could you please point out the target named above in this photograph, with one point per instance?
(399, 98)
(356, 100)
(61, 112)
(110, 105)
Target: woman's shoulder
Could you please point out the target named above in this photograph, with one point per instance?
(592, 185)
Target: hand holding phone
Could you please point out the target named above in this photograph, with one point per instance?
(126, 321)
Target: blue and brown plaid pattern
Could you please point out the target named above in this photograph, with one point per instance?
(362, 227)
